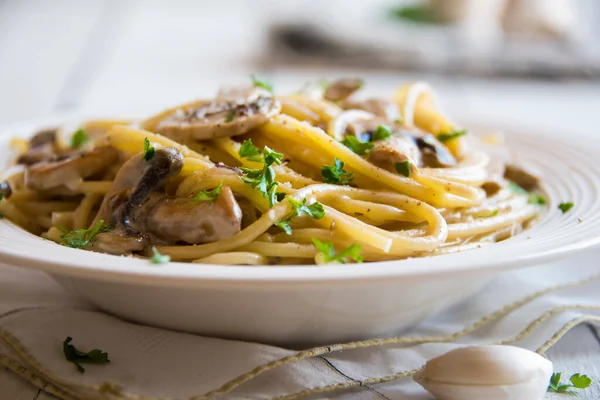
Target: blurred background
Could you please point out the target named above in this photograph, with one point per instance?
(512, 62)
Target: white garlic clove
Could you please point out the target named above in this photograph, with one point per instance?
(486, 372)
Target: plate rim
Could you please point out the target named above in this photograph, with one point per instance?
(139, 271)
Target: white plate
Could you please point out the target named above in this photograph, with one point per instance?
(308, 304)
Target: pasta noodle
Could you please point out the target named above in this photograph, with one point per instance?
(320, 176)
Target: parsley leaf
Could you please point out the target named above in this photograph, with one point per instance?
(419, 13)
(230, 117)
(536, 198)
(80, 237)
(285, 225)
(315, 210)
(533, 198)
(79, 138)
(403, 168)
(381, 133)
(261, 178)
(261, 83)
(357, 146)
(250, 151)
(492, 214)
(335, 174)
(446, 137)
(78, 357)
(207, 195)
(148, 150)
(565, 207)
(326, 248)
(280, 196)
(158, 258)
(578, 381)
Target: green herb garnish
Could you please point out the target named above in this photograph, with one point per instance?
(492, 214)
(261, 83)
(230, 117)
(158, 258)
(381, 133)
(250, 151)
(261, 178)
(327, 249)
(419, 13)
(314, 210)
(207, 195)
(537, 199)
(357, 146)
(285, 225)
(78, 357)
(532, 198)
(148, 150)
(335, 173)
(446, 137)
(403, 168)
(80, 237)
(79, 138)
(577, 382)
(565, 207)
(280, 196)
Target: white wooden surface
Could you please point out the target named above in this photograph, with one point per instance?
(109, 56)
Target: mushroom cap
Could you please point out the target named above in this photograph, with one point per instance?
(233, 112)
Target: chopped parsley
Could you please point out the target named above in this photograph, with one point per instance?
(230, 117)
(492, 214)
(565, 207)
(280, 196)
(314, 210)
(207, 195)
(261, 83)
(537, 199)
(403, 168)
(326, 248)
(158, 258)
(578, 381)
(149, 150)
(419, 13)
(446, 137)
(335, 173)
(533, 198)
(381, 133)
(79, 138)
(261, 178)
(357, 146)
(80, 237)
(78, 357)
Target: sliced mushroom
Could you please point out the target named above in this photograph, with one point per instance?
(395, 149)
(526, 179)
(134, 206)
(434, 153)
(379, 107)
(117, 242)
(234, 112)
(47, 175)
(492, 187)
(342, 89)
(41, 148)
(174, 220)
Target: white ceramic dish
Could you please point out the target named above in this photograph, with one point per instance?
(325, 304)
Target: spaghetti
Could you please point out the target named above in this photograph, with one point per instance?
(252, 178)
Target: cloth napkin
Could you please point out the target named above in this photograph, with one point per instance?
(36, 315)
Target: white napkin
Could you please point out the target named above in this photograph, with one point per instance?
(36, 315)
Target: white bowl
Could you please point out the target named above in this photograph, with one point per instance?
(324, 304)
